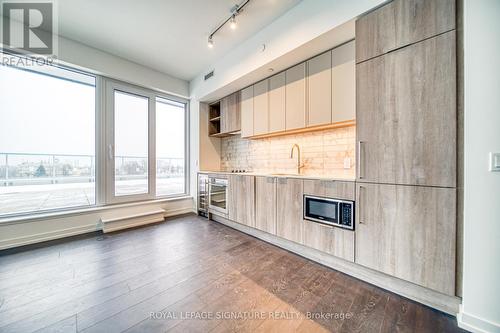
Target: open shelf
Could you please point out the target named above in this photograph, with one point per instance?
(214, 119)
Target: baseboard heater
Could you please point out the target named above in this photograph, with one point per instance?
(131, 221)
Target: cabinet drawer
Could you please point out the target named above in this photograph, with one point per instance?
(332, 240)
(330, 188)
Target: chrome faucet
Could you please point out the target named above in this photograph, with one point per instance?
(299, 166)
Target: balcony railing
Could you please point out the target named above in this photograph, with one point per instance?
(30, 168)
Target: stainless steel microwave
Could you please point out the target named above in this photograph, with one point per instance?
(329, 211)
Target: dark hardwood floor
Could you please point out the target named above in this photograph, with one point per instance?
(191, 275)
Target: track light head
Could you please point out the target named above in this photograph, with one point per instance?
(232, 22)
(210, 42)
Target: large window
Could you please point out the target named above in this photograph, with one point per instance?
(131, 144)
(47, 133)
(52, 157)
(170, 147)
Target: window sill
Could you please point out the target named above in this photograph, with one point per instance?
(33, 217)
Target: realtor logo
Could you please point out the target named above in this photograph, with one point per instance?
(28, 27)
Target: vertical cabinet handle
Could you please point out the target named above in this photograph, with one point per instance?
(360, 161)
(360, 210)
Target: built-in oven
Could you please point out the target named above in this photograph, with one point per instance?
(217, 194)
(329, 211)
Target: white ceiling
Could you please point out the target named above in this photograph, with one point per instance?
(169, 36)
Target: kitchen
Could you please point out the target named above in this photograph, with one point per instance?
(293, 166)
(287, 147)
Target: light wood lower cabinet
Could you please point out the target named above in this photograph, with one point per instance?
(265, 204)
(332, 240)
(408, 232)
(241, 199)
(289, 194)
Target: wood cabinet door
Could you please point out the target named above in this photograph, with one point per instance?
(332, 240)
(277, 86)
(224, 115)
(376, 32)
(408, 232)
(261, 107)
(241, 199)
(289, 194)
(265, 204)
(343, 83)
(319, 89)
(295, 97)
(417, 20)
(406, 115)
(233, 113)
(232, 197)
(230, 113)
(400, 23)
(245, 199)
(246, 104)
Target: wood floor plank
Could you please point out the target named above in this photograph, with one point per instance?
(186, 267)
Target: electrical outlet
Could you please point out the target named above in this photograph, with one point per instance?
(495, 162)
(347, 163)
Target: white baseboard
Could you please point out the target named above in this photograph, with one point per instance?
(475, 324)
(46, 236)
(179, 211)
(56, 232)
(434, 299)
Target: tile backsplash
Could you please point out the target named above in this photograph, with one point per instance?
(322, 153)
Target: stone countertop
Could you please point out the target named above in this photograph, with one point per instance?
(282, 175)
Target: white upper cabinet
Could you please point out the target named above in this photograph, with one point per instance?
(319, 89)
(277, 102)
(261, 107)
(295, 97)
(343, 83)
(247, 103)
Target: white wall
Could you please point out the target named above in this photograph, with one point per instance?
(41, 228)
(99, 62)
(294, 30)
(301, 24)
(45, 228)
(481, 280)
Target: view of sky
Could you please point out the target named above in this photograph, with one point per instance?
(42, 114)
(45, 115)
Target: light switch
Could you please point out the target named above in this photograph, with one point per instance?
(494, 161)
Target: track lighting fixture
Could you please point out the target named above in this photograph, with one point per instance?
(232, 22)
(235, 11)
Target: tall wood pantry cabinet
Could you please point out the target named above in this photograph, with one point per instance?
(406, 123)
